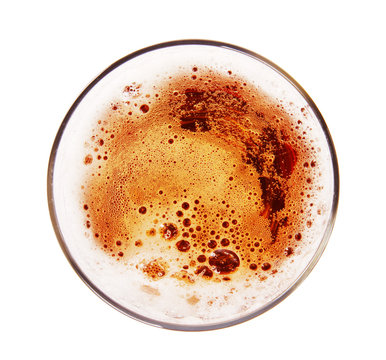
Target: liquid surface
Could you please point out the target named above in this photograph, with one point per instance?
(205, 180)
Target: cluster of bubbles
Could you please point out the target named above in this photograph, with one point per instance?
(211, 235)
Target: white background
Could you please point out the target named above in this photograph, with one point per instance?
(52, 50)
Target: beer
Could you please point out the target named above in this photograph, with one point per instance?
(200, 195)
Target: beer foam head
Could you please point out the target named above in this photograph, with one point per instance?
(193, 185)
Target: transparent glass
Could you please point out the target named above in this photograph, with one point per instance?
(65, 167)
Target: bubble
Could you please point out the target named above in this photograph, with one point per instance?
(212, 244)
(204, 271)
(187, 222)
(88, 159)
(225, 242)
(183, 245)
(144, 108)
(185, 206)
(142, 210)
(169, 231)
(224, 261)
(266, 266)
(151, 232)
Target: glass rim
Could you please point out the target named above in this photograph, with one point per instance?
(222, 324)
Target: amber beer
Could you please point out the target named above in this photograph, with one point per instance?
(192, 193)
(206, 181)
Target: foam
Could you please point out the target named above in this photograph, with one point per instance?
(126, 254)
